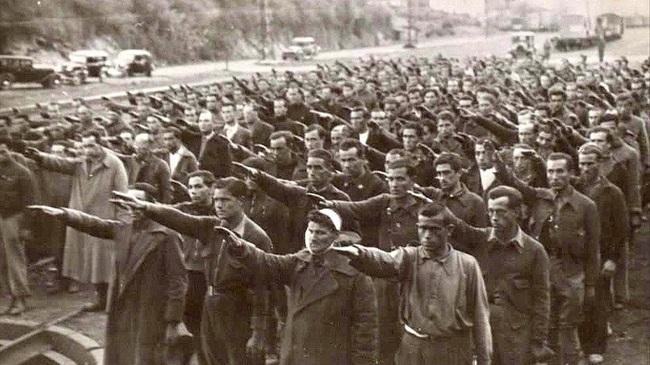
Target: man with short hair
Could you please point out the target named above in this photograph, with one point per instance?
(393, 215)
(145, 167)
(567, 223)
(181, 161)
(281, 120)
(614, 233)
(231, 128)
(373, 137)
(149, 282)
(211, 150)
(95, 174)
(200, 186)
(446, 323)
(319, 181)
(332, 317)
(17, 191)
(517, 279)
(260, 130)
(233, 323)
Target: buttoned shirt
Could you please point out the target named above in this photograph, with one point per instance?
(440, 296)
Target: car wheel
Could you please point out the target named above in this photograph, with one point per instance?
(129, 73)
(51, 82)
(77, 80)
(148, 73)
(5, 81)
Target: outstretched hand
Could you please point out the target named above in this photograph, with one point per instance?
(46, 209)
(250, 172)
(349, 251)
(127, 201)
(320, 200)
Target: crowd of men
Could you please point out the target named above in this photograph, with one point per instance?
(389, 211)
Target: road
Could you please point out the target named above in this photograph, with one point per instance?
(635, 45)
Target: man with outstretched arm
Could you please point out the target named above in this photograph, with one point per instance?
(444, 305)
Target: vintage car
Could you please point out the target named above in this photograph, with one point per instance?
(73, 73)
(523, 44)
(301, 48)
(133, 61)
(94, 60)
(20, 69)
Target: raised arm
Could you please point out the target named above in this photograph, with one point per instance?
(381, 264)
(284, 193)
(364, 210)
(63, 165)
(90, 224)
(185, 224)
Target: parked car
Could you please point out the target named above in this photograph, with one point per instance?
(19, 69)
(523, 44)
(133, 61)
(301, 48)
(73, 73)
(94, 60)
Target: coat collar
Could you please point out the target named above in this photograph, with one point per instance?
(331, 260)
(137, 253)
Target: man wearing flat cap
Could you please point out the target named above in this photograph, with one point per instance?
(332, 312)
(148, 285)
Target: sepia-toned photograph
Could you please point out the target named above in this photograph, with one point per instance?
(311, 182)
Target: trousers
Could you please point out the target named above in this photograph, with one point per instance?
(225, 329)
(13, 261)
(593, 331)
(567, 294)
(511, 333)
(455, 350)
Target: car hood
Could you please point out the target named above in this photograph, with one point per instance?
(43, 66)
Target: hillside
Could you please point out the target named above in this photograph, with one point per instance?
(180, 31)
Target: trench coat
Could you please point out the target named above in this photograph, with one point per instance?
(85, 258)
(147, 290)
(332, 317)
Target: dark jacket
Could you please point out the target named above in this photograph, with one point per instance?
(147, 290)
(214, 156)
(573, 235)
(332, 318)
(260, 132)
(395, 224)
(17, 188)
(465, 205)
(152, 171)
(187, 164)
(517, 273)
(222, 273)
(296, 199)
(614, 223)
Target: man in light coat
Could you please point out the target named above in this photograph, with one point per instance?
(88, 259)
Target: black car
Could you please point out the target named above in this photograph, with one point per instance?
(19, 69)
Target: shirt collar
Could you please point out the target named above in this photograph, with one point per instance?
(240, 227)
(409, 202)
(517, 240)
(444, 261)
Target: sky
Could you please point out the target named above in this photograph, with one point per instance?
(622, 7)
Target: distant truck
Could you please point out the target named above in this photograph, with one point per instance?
(578, 32)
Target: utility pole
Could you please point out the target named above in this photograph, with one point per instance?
(409, 10)
(263, 27)
(485, 14)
